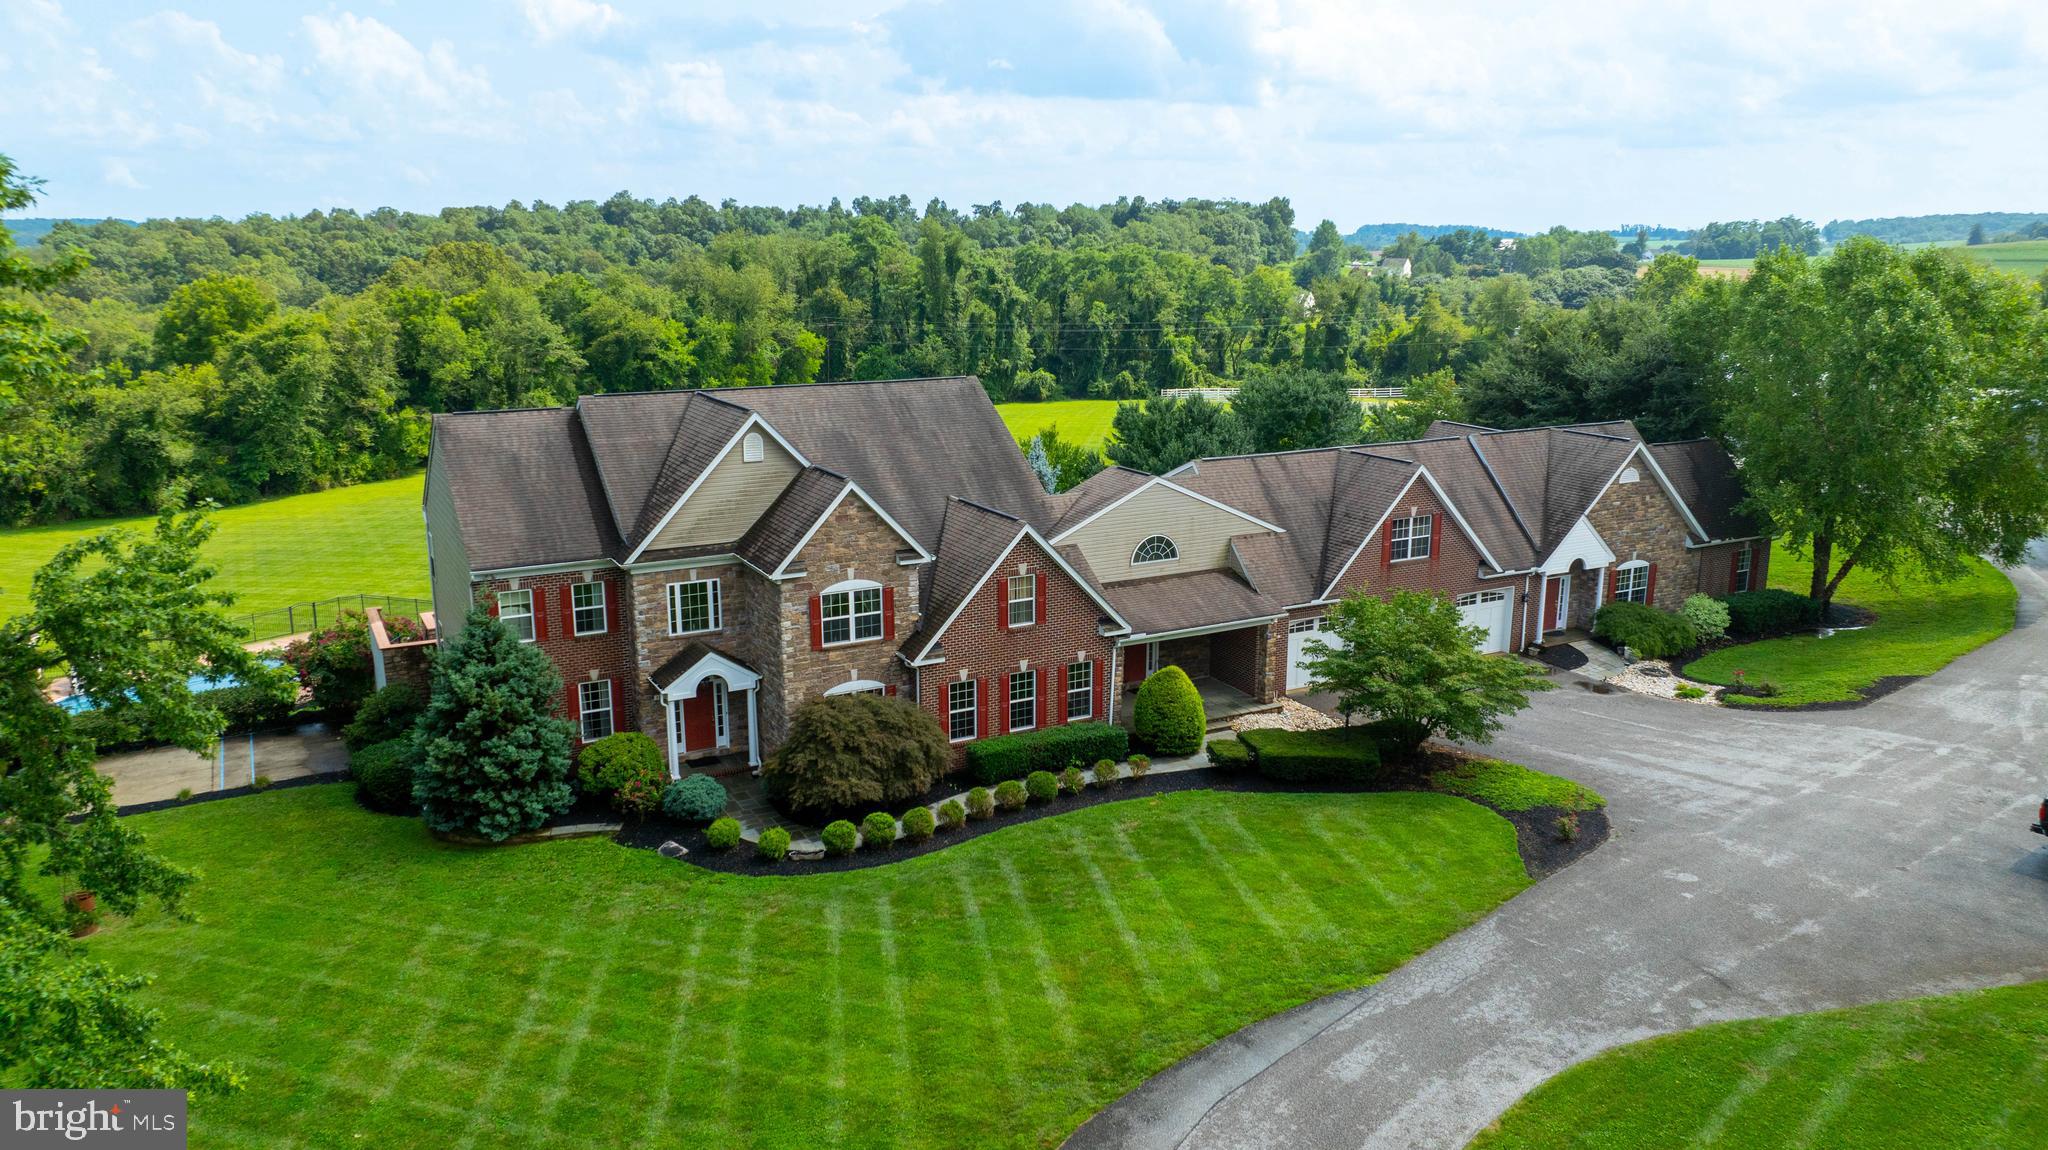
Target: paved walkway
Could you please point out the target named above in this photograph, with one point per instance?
(1760, 865)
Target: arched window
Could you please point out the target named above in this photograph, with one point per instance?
(850, 612)
(1155, 549)
(1632, 581)
(858, 687)
(751, 448)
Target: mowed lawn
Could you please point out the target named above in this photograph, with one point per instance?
(1083, 421)
(366, 539)
(1921, 627)
(1964, 1070)
(382, 989)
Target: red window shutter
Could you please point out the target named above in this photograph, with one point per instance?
(890, 690)
(817, 623)
(540, 616)
(1434, 551)
(1613, 581)
(611, 607)
(889, 616)
(1387, 544)
(573, 708)
(1650, 592)
(1039, 615)
(568, 612)
(1002, 603)
(492, 605)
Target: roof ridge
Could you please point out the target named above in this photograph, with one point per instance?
(773, 387)
(1363, 450)
(983, 507)
(1502, 489)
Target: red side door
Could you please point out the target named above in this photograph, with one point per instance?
(1134, 664)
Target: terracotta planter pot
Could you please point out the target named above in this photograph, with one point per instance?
(81, 904)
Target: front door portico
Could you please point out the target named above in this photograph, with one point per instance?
(696, 691)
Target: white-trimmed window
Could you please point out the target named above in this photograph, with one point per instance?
(1303, 626)
(851, 614)
(586, 602)
(594, 709)
(515, 611)
(1023, 591)
(960, 710)
(1023, 700)
(1154, 549)
(693, 607)
(1741, 580)
(1080, 691)
(1409, 537)
(1632, 582)
(857, 687)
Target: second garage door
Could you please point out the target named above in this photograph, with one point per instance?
(1492, 610)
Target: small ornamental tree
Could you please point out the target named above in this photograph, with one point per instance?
(846, 751)
(494, 758)
(1411, 663)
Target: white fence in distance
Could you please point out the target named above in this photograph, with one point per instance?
(1223, 394)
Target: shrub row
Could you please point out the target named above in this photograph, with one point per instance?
(386, 715)
(1770, 612)
(384, 775)
(1647, 632)
(1341, 754)
(1052, 749)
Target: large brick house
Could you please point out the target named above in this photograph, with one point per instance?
(699, 563)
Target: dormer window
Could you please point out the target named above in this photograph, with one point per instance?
(752, 449)
(1155, 549)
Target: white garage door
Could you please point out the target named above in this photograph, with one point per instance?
(1298, 633)
(1492, 610)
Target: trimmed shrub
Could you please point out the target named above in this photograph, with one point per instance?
(855, 750)
(1341, 754)
(952, 815)
(1168, 713)
(1041, 786)
(694, 799)
(918, 824)
(723, 834)
(384, 775)
(1708, 616)
(1770, 611)
(1397, 739)
(773, 844)
(839, 837)
(389, 713)
(1107, 773)
(1230, 754)
(1647, 632)
(1141, 765)
(1010, 795)
(980, 804)
(878, 831)
(625, 766)
(1072, 780)
(108, 730)
(1052, 749)
(334, 665)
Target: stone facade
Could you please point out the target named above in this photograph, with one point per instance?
(853, 543)
(1639, 521)
(739, 634)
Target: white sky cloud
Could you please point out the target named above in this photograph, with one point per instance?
(1453, 111)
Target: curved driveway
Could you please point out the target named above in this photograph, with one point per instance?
(1760, 865)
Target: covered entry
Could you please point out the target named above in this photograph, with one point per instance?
(700, 689)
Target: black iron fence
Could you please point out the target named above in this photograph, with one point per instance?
(312, 616)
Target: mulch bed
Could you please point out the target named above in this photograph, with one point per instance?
(1542, 851)
(1563, 656)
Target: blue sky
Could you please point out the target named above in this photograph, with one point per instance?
(1512, 115)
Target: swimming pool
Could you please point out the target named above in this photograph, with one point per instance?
(79, 704)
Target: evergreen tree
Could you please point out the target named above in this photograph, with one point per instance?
(1048, 475)
(1288, 409)
(1159, 436)
(494, 759)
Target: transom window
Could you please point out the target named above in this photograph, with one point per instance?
(594, 709)
(1023, 600)
(1080, 691)
(1741, 570)
(587, 602)
(851, 616)
(1023, 700)
(1409, 538)
(1476, 598)
(1155, 549)
(960, 710)
(1299, 626)
(693, 607)
(1632, 583)
(858, 687)
(515, 611)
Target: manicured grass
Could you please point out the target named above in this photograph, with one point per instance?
(1920, 628)
(1956, 1071)
(1083, 421)
(366, 539)
(1513, 787)
(382, 989)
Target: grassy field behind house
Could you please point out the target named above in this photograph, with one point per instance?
(1083, 421)
(1921, 627)
(366, 539)
(1963, 1070)
(380, 988)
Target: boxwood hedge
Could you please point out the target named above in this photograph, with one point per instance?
(1053, 749)
(1341, 754)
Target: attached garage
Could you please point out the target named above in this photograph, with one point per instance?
(1494, 611)
(1299, 632)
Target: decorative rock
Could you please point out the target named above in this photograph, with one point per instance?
(672, 849)
(1291, 716)
(811, 855)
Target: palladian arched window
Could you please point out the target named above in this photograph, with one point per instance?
(1155, 549)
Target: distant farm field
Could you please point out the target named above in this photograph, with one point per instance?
(2024, 258)
(1084, 421)
(351, 540)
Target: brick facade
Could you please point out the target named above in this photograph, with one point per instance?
(607, 654)
(979, 647)
(1715, 566)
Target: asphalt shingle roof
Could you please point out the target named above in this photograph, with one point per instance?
(526, 488)
(769, 542)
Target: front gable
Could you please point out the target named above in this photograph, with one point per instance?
(1199, 529)
(732, 493)
(1452, 548)
(1064, 600)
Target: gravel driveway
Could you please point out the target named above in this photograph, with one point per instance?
(1760, 865)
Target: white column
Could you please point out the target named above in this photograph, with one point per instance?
(668, 712)
(753, 728)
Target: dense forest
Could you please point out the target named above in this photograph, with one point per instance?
(1932, 229)
(187, 359)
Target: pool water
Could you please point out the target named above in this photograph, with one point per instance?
(78, 704)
